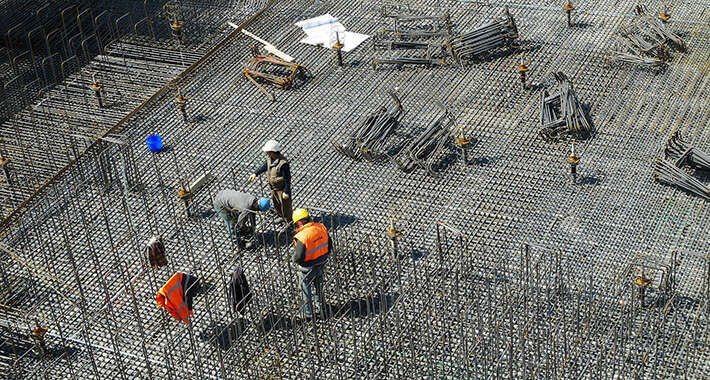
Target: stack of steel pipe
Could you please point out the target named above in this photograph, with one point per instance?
(678, 153)
(647, 41)
(409, 36)
(486, 40)
(561, 114)
(369, 139)
(424, 149)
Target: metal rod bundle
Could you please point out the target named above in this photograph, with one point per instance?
(421, 33)
(678, 153)
(684, 153)
(668, 173)
(424, 150)
(370, 137)
(274, 71)
(625, 51)
(417, 27)
(381, 43)
(400, 61)
(646, 41)
(561, 114)
(486, 40)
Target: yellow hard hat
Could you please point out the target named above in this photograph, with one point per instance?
(299, 214)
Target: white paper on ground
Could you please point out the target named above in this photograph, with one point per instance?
(321, 31)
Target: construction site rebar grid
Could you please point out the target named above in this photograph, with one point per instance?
(499, 266)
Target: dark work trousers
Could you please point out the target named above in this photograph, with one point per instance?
(282, 206)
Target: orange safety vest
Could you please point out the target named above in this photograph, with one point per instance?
(170, 297)
(315, 237)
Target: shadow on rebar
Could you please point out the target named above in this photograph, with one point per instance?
(224, 335)
(595, 179)
(373, 304)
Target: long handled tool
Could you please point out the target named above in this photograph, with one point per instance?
(267, 46)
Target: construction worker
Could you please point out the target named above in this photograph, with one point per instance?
(37, 337)
(177, 294)
(238, 210)
(313, 244)
(278, 174)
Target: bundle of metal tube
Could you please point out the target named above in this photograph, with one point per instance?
(561, 114)
(416, 27)
(646, 41)
(381, 43)
(670, 174)
(428, 31)
(423, 150)
(370, 137)
(683, 153)
(677, 154)
(657, 30)
(485, 40)
(399, 61)
(628, 53)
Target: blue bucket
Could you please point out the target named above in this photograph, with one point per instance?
(155, 143)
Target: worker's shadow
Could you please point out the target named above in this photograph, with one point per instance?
(224, 335)
(58, 351)
(374, 304)
(272, 322)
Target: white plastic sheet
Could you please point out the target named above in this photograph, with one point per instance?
(325, 30)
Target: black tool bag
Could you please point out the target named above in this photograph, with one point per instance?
(156, 252)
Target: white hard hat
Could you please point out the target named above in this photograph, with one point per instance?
(272, 146)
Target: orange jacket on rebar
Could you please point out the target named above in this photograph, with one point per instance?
(314, 237)
(171, 297)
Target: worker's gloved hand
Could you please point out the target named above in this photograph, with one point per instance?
(286, 196)
(252, 177)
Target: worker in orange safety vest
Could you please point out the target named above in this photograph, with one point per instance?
(312, 246)
(176, 296)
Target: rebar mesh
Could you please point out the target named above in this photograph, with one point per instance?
(499, 269)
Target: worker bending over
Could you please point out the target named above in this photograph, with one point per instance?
(238, 210)
(278, 174)
(312, 248)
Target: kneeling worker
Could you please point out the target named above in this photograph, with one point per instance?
(238, 210)
(312, 248)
